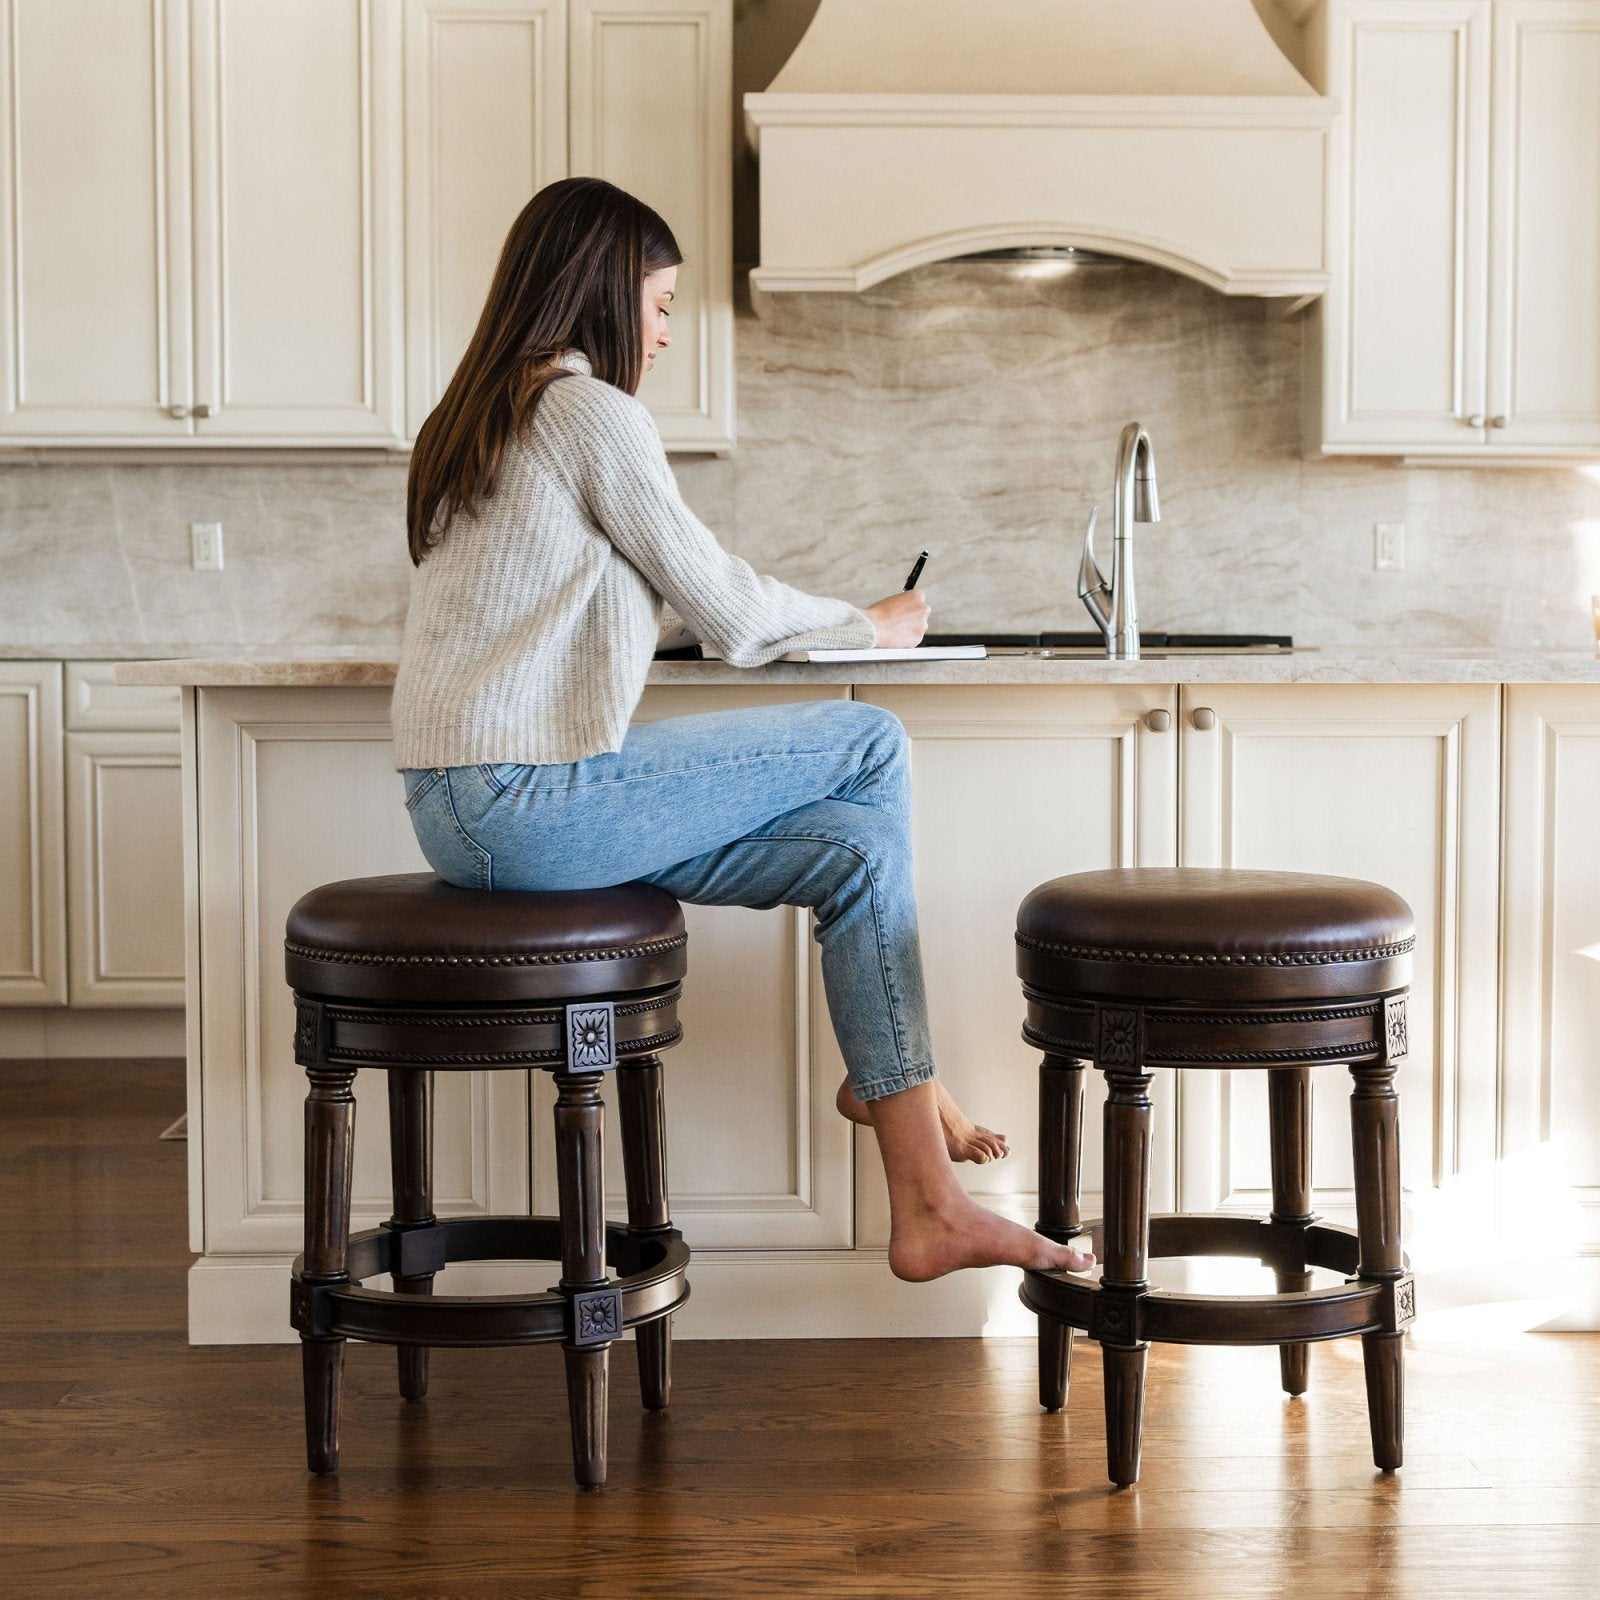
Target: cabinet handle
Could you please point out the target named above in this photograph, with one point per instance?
(178, 413)
(202, 411)
(1475, 420)
(1158, 721)
(1204, 718)
(1498, 422)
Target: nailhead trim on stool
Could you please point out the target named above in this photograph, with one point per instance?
(412, 976)
(1252, 970)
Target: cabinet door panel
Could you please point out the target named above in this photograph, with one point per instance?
(775, 1173)
(486, 126)
(33, 956)
(125, 869)
(1545, 308)
(307, 782)
(1398, 784)
(651, 112)
(94, 264)
(1404, 316)
(1011, 787)
(1550, 1140)
(297, 186)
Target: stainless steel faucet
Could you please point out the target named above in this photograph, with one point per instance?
(1113, 605)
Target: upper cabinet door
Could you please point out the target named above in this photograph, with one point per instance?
(652, 112)
(1544, 366)
(94, 262)
(1403, 319)
(297, 176)
(486, 126)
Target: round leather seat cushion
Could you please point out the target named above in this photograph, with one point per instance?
(1198, 933)
(414, 938)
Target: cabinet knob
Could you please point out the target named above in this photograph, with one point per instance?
(1158, 721)
(202, 411)
(178, 412)
(1204, 718)
(1497, 422)
(1475, 420)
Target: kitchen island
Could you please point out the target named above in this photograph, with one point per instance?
(1466, 780)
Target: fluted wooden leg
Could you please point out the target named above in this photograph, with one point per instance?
(330, 1128)
(644, 1159)
(580, 1173)
(1289, 1105)
(411, 1167)
(1060, 1153)
(1127, 1136)
(1375, 1129)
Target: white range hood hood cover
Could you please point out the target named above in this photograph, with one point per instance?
(1169, 131)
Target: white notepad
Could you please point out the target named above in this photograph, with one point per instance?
(921, 652)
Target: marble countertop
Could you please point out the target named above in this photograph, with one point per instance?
(330, 668)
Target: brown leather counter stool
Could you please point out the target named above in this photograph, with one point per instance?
(1139, 969)
(411, 976)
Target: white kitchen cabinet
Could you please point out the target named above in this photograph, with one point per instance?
(652, 113)
(124, 809)
(485, 126)
(308, 787)
(1013, 786)
(33, 953)
(774, 1174)
(211, 257)
(1549, 1156)
(1462, 320)
(1398, 784)
(502, 96)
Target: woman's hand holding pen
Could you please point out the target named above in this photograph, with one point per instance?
(901, 619)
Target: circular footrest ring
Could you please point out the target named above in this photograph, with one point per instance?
(1368, 1305)
(653, 1282)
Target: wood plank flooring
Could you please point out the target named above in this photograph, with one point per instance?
(133, 1465)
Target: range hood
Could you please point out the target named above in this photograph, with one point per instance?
(1168, 131)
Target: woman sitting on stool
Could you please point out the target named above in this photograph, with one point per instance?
(550, 540)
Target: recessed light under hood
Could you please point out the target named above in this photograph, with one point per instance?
(1168, 131)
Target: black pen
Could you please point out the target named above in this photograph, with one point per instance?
(916, 571)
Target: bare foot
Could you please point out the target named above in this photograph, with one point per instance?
(964, 1138)
(931, 1241)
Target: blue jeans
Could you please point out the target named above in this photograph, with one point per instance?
(797, 805)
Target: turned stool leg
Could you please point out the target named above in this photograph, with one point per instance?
(1289, 1109)
(1375, 1127)
(1127, 1136)
(1060, 1152)
(411, 1166)
(644, 1160)
(330, 1128)
(580, 1175)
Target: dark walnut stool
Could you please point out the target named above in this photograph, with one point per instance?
(1277, 971)
(411, 976)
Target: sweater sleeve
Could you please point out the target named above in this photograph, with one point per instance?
(621, 470)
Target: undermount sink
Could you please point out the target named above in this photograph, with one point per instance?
(1152, 646)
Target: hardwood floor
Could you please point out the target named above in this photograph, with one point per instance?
(133, 1465)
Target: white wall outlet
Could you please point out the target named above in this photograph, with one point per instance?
(205, 546)
(1388, 546)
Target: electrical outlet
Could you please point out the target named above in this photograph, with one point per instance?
(205, 546)
(1388, 546)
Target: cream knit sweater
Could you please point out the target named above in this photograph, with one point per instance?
(532, 625)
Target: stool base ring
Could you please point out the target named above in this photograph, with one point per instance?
(654, 1283)
(1372, 1305)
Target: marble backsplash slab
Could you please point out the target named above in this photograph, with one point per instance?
(969, 408)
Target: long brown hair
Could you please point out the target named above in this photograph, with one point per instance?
(570, 278)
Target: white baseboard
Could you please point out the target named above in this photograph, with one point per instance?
(65, 1034)
(851, 1295)
(734, 1295)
